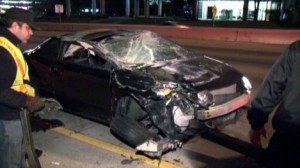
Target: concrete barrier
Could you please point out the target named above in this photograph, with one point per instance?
(268, 36)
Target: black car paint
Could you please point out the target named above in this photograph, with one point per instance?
(93, 91)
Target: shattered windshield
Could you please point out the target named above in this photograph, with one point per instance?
(141, 47)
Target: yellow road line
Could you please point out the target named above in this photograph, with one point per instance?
(114, 148)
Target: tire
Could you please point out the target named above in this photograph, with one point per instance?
(125, 122)
(129, 130)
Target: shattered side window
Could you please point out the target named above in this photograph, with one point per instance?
(47, 48)
(74, 52)
(141, 47)
(71, 50)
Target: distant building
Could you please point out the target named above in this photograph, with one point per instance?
(229, 10)
(24, 4)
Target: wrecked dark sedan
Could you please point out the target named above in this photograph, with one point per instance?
(154, 94)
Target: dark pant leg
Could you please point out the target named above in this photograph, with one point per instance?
(283, 151)
(11, 155)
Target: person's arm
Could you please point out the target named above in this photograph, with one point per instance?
(8, 71)
(13, 98)
(269, 95)
(271, 91)
(8, 96)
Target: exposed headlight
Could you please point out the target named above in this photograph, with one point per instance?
(247, 84)
(205, 98)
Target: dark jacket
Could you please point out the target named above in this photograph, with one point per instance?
(11, 101)
(281, 87)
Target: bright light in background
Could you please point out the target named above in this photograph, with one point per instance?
(5, 6)
(18, 4)
(87, 10)
(22, 7)
(234, 8)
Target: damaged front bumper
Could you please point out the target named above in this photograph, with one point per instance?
(172, 108)
(214, 115)
(224, 109)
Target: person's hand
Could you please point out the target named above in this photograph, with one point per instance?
(255, 135)
(34, 103)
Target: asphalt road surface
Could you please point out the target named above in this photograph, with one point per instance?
(66, 141)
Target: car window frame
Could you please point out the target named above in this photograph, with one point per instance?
(40, 50)
(102, 62)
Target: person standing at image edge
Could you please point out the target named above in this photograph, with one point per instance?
(279, 91)
(15, 91)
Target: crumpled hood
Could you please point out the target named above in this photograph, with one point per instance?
(198, 72)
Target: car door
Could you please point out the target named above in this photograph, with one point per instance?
(82, 87)
(40, 60)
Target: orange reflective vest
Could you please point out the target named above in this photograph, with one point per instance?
(21, 82)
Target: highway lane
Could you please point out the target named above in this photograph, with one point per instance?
(66, 151)
(212, 150)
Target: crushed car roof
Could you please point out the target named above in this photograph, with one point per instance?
(95, 34)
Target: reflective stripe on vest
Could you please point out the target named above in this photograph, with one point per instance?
(22, 68)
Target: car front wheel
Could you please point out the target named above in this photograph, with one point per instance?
(127, 122)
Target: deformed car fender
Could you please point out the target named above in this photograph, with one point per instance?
(160, 115)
